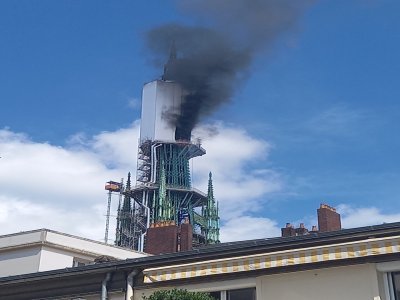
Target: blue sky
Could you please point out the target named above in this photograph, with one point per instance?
(321, 104)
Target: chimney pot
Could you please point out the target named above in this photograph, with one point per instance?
(323, 205)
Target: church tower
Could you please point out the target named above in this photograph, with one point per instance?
(163, 204)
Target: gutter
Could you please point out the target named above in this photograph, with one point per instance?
(58, 273)
(226, 250)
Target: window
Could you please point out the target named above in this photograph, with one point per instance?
(396, 285)
(242, 294)
(239, 294)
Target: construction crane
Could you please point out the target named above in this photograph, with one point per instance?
(111, 187)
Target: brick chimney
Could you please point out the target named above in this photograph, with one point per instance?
(288, 230)
(301, 230)
(167, 237)
(185, 239)
(328, 218)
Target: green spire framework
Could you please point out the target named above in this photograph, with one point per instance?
(164, 195)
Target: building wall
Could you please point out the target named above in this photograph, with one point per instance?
(84, 245)
(51, 259)
(25, 238)
(385, 285)
(210, 286)
(35, 259)
(358, 282)
(19, 261)
(43, 250)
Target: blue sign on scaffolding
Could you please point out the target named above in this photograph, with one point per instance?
(182, 216)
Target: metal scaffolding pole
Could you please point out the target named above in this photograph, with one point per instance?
(108, 217)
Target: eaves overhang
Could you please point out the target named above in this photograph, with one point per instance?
(332, 253)
(362, 239)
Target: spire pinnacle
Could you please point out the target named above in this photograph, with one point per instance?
(210, 212)
(128, 182)
(126, 207)
(169, 67)
(210, 192)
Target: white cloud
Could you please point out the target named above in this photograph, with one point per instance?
(246, 228)
(44, 185)
(364, 216)
(46, 173)
(235, 159)
(20, 215)
(62, 188)
(134, 103)
(118, 148)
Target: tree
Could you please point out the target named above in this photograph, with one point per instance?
(176, 294)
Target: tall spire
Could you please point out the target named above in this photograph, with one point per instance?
(163, 194)
(172, 51)
(170, 66)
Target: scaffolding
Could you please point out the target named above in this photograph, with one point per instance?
(163, 194)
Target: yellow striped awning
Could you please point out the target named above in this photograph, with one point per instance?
(300, 256)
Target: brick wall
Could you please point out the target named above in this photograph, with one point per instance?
(169, 238)
(162, 239)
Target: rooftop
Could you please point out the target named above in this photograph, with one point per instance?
(62, 240)
(225, 250)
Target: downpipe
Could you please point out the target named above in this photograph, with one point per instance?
(104, 293)
(154, 162)
(148, 226)
(129, 284)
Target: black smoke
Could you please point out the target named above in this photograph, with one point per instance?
(213, 59)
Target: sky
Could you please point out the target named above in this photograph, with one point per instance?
(315, 119)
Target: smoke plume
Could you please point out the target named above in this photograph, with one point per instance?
(212, 59)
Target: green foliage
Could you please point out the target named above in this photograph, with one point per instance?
(178, 295)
